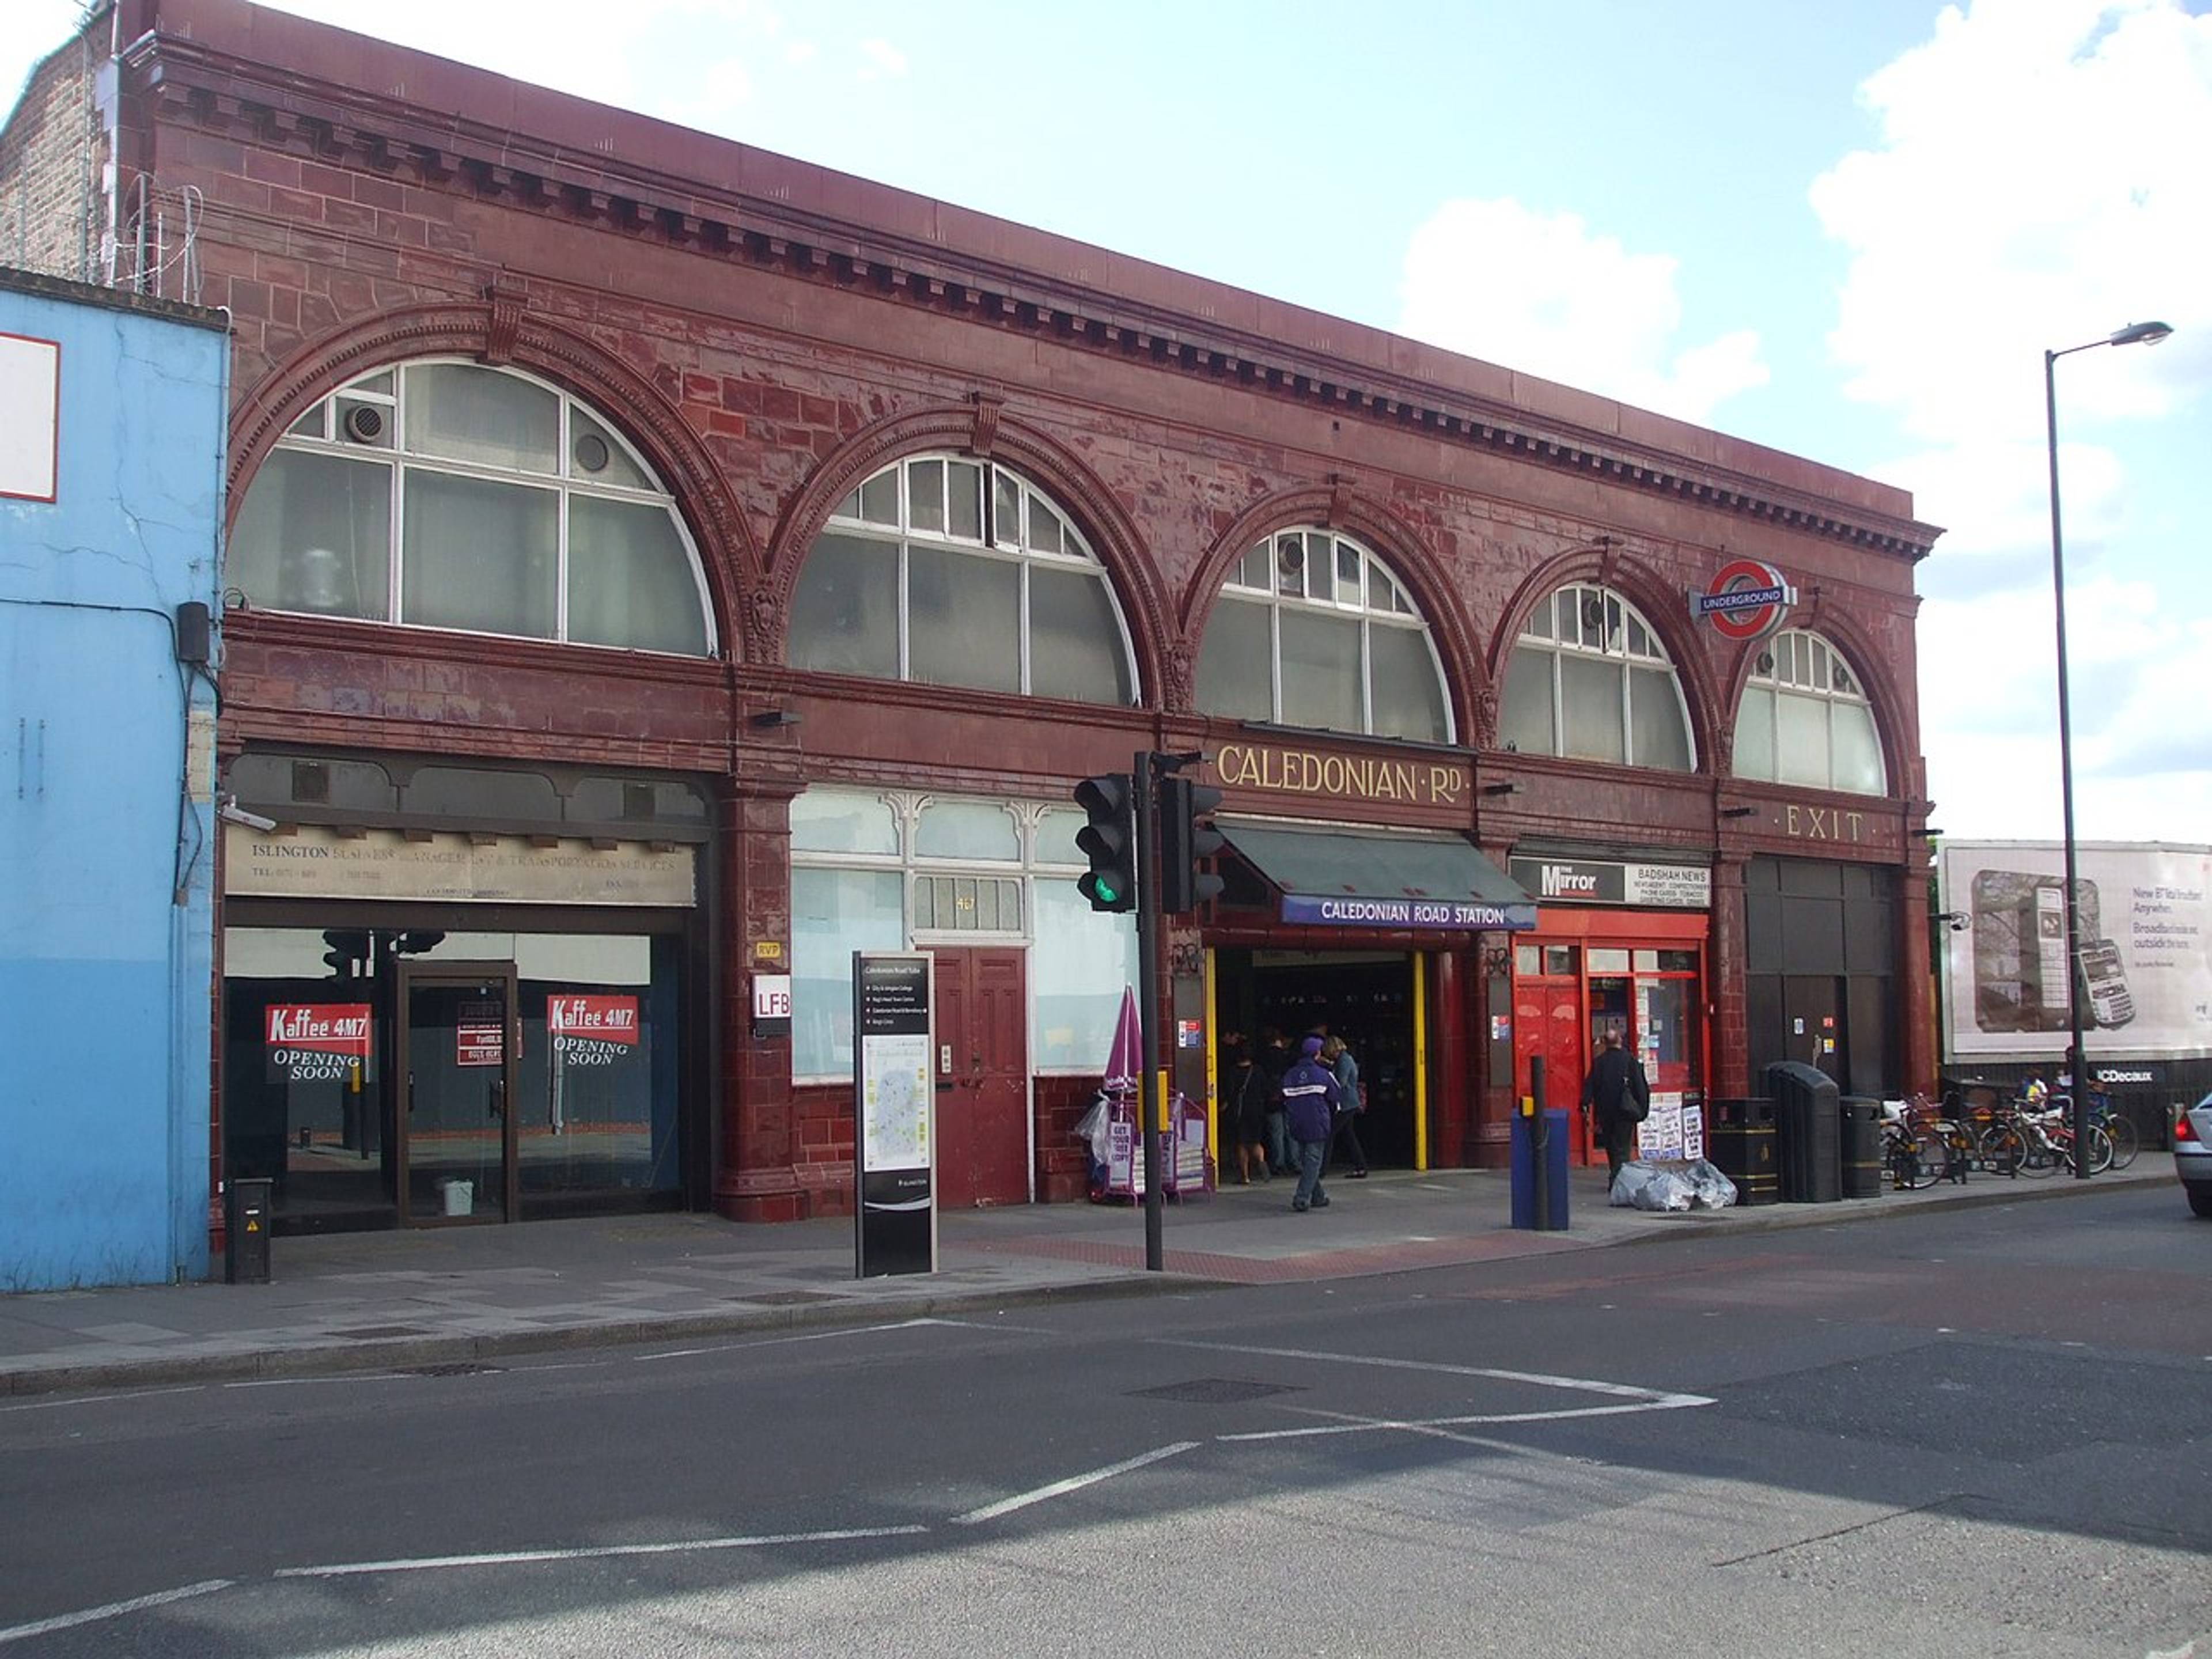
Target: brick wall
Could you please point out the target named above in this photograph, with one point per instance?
(49, 171)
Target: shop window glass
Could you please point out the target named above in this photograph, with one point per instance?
(1590, 678)
(314, 535)
(483, 416)
(479, 555)
(1562, 959)
(1078, 965)
(1409, 691)
(967, 829)
(845, 616)
(455, 474)
(1069, 614)
(834, 820)
(1321, 672)
(1313, 630)
(1528, 960)
(1589, 701)
(1235, 666)
(911, 584)
(1857, 756)
(1056, 838)
(1606, 959)
(964, 619)
(1805, 719)
(835, 913)
(967, 904)
(629, 579)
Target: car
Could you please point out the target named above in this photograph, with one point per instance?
(2192, 1154)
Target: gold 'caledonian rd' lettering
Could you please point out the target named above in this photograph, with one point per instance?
(1357, 777)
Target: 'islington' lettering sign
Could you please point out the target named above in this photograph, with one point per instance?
(1315, 911)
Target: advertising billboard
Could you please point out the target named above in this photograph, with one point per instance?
(2144, 921)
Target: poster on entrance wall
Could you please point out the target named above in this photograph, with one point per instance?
(316, 1041)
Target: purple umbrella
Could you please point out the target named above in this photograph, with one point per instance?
(1125, 1060)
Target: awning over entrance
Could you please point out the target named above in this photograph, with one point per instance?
(1343, 879)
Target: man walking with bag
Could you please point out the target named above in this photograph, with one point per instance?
(1618, 1096)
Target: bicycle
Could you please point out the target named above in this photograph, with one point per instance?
(2051, 1135)
(2119, 1128)
(1914, 1150)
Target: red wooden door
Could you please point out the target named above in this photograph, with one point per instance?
(982, 1078)
(1547, 1020)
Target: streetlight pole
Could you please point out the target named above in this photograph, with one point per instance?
(2076, 1061)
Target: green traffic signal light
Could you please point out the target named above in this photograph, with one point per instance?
(1109, 841)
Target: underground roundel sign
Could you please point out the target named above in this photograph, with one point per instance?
(1747, 599)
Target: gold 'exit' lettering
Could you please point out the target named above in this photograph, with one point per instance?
(1824, 823)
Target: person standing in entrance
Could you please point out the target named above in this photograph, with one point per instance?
(1616, 1095)
(1247, 1100)
(1346, 1130)
(1310, 1100)
(1275, 1060)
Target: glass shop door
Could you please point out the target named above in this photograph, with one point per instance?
(458, 1038)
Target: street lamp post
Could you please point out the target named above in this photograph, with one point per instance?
(2076, 1061)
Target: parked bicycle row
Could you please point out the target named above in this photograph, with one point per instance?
(2030, 1135)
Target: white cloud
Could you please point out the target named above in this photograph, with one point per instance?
(884, 61)
(1544, 294)
(2039, 181)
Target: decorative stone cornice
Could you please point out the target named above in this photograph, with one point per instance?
(194, 85)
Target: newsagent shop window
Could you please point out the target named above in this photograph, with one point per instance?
(447, 494)
(1590, 680)
(896, 871)
(1805, 720)
(955, 572)
(1313, 630)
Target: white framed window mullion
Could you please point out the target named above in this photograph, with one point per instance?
(1022, 645)
(395, 586)
(1366, 675)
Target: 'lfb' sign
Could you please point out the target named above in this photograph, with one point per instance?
(1748, 599)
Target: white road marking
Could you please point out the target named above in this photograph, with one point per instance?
(1074, 1483)
(113, 1610)
(784, 1341)
(100, 1399)
(1645, 1399)
(587, 1553)
(301, 1382)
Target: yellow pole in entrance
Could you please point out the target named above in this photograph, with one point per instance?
(1420, 1063)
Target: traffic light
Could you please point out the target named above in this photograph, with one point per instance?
(1110, 841)
(1187, 838)
(349, 947)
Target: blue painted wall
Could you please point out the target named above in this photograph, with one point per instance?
(106, 820)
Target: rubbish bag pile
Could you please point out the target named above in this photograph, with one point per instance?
(1671, 1184)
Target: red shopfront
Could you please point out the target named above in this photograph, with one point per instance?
(1593, 967)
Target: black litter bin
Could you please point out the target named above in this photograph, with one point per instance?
(245, 1230)
(1860, 1136)
(1807, 1153)
(1740, 1140)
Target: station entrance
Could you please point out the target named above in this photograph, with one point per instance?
(1369, 998)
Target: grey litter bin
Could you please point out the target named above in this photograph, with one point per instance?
(1807, 1122)
(246, 1230)
(1860, 1138)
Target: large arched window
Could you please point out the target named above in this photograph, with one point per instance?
(1805, 720)
(1590, 680)
(955, 572)
(1313, 630)
(447, 494)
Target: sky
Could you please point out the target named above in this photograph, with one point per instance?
(1847, 232)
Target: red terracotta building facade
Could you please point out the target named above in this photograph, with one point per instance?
(660, 569)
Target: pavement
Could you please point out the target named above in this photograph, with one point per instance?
(450, 1297)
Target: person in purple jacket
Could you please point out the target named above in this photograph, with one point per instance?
(1311, 1094)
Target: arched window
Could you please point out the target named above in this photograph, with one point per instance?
(1805, 720)
(1590, 680)
(955, 571)
(447, 494)
(1314, 630)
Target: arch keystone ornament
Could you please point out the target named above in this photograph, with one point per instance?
(1747, 599)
